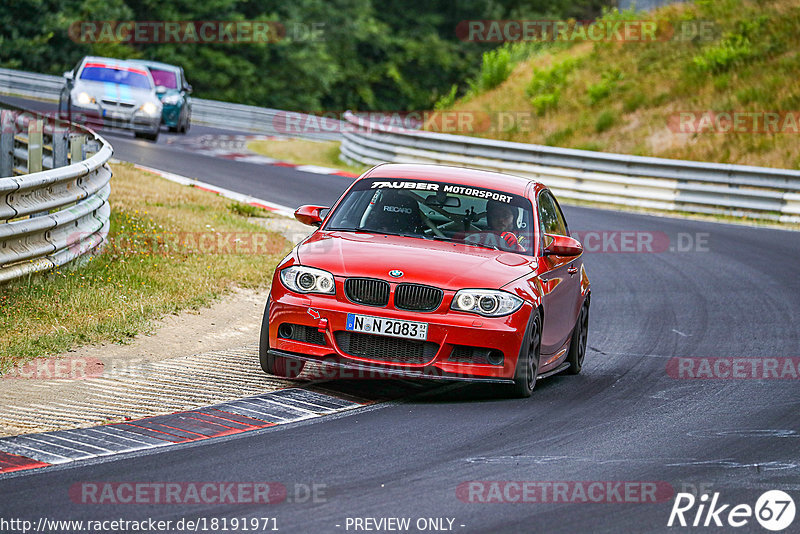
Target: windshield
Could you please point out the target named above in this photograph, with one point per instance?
(437, 210)
(119, 75)
(166, 78)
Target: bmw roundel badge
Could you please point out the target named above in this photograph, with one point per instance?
(394, 273)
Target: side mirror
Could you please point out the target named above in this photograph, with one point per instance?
(561, 245)
(160, 89)
(68, 75)
(187, 88)
(310, 215)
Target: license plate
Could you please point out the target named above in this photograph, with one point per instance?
(387, 327)
(114, 116)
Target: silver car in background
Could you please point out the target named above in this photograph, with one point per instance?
(112, 93)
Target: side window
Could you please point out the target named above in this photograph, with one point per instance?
(560, 214)
(552, 219)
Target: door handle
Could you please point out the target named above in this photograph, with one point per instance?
(572, 270)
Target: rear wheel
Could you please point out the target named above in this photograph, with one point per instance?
(184, 126)
(271, 364)
(577, 346)
(528, 361)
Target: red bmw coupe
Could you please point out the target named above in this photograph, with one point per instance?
(431, 271)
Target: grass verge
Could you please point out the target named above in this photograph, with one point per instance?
(170, 248)
(695, 95)
(304, 152)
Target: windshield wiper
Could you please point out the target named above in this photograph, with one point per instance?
(421, 236)
(371, 231)
(461, 242)
(481, 245)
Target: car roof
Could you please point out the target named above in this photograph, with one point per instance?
(460, 175)
(110, 62)
(155, 64)
(107, 60)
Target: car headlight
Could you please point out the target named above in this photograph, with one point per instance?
(308, 280)
(487, 302)
(171, 100)
(149, 108)
(84, 99)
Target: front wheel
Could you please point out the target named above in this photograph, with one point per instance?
(271, 364)
(577, 346)
(528, 361)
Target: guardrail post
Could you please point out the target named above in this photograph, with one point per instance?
(35, 142)
(76, 143)
(60, 147)
(90, 148)
(7, 128)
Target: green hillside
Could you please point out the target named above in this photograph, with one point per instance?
(667, 97)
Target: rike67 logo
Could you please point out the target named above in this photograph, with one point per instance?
(774, 510)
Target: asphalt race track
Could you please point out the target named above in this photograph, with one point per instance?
(708, 290)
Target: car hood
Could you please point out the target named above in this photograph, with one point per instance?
(438, 263)
(168, 92)
(116, 92)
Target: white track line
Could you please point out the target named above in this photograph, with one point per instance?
(227, 193)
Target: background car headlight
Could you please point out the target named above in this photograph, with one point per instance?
(171, 100)
(307, 280)
(488, 302)
(84, 99)
(149, 108)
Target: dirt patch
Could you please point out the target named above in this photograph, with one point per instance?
(187, 360)
(232, 321)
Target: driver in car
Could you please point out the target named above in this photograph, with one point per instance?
(500, 219)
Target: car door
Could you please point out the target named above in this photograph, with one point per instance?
(560, 281)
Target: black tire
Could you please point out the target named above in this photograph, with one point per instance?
(528, 360)
(147, 135)
(183, 126)
(174, 129)
(275, 365)
(577, 345)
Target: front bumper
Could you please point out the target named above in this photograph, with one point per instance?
(171, 115)
(447, 329)
(370, 371)
(136, 121)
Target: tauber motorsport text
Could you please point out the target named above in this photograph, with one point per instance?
(446, 188)
(774, 510)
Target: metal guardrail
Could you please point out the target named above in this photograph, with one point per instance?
(664, 184)
(265, 120)
(54, 188)
(254, 119)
